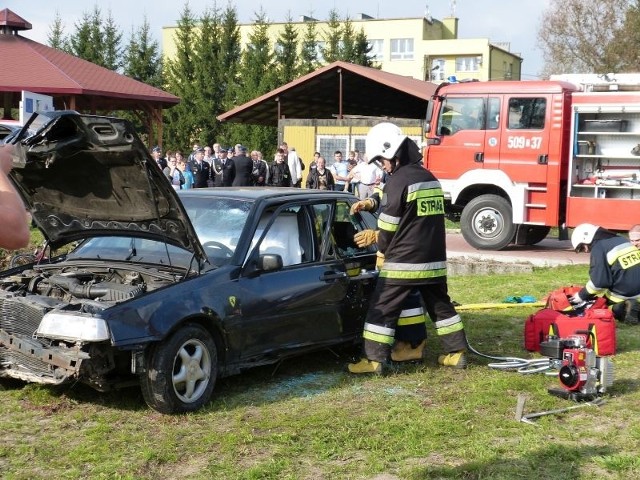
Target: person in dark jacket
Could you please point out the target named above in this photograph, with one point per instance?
(614, 271)
(319, 177)
(259, 172)
(411, 236)
(200, 169)
(279, 174)
(243, 167)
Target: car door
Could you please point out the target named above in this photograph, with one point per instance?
(311, 300)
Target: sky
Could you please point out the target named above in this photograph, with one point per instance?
(515, 22)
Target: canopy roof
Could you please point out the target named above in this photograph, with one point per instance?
(337, 90)
(74, 83)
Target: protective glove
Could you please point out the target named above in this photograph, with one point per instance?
(379, 260)
(366, 204)
(576, 301)
(366, 238)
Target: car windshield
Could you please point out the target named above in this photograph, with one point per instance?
(218, 222)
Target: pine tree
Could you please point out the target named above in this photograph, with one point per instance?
(180, 127)
(333, 38)
(230, 60)
(85, 41)
(207, 76)
(347, 51)
(111, 50)
(287, 53)
(362, 50)
(258, 76)
(56, 38)
(142, 60)
(309, 49)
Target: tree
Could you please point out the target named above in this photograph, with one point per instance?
(333, 38)
(141, 58)
(627, 40)
(362, 49)
(208, 74)
(287, 64)
(258, 76)
(578, 36)
(309, 49)
(181, 127)
(111, 50)
(56, 38)
(348, 41)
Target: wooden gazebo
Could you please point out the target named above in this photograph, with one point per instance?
(74, 84)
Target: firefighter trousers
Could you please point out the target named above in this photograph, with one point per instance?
(412, 327)
(387, 303)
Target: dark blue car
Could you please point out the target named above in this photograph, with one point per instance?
(171, 290)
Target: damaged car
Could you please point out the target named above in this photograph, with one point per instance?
(143, 285)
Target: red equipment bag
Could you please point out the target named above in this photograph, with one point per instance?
(560, 319)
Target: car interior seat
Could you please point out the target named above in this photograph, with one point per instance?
(283, 238)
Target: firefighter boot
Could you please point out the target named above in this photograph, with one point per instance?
(404, 352)
(365, 366)
(454, 359)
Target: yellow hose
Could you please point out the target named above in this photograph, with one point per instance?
(481, 306)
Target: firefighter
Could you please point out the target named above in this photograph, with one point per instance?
(411, 331)
(411, 236)
(614, 271)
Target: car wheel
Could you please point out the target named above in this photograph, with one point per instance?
(181, 371)
(487, 223)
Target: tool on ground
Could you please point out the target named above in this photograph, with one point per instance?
(521, 417)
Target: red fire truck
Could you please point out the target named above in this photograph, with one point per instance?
(517, 158)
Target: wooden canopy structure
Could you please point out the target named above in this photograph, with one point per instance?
(74, 84)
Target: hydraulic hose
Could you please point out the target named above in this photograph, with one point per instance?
(521, 365)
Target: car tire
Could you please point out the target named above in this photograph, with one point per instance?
(181, 371)
(487, 223)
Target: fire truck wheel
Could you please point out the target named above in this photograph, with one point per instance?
(487, 222)
(535, 233)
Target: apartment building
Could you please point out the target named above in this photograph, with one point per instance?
(423, 48)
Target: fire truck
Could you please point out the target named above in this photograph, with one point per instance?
(517, 158)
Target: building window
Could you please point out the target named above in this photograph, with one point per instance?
(328, 144)
(377, 50)
(402, 49)
(468, 64)
(438, 72)
(320, 51)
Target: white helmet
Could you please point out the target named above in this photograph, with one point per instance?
(583, 234)
(383, 140)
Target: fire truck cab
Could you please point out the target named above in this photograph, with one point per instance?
(516, 158)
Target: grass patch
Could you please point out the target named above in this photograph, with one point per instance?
(308, 419)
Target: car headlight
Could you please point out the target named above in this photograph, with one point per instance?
(75, 327)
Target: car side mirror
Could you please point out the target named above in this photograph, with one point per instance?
(269, 262)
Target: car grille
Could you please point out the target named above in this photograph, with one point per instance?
(21, 317)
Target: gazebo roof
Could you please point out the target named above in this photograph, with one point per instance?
(340, 88)
(28, 65)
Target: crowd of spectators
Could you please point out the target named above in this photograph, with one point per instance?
(219, 166)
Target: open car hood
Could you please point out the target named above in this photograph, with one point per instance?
(86, 176)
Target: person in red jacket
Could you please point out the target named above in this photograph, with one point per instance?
(411, 236)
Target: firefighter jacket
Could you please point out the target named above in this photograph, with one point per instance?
(411, 223)
(614, 270)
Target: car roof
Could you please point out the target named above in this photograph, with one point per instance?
(264, 193)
